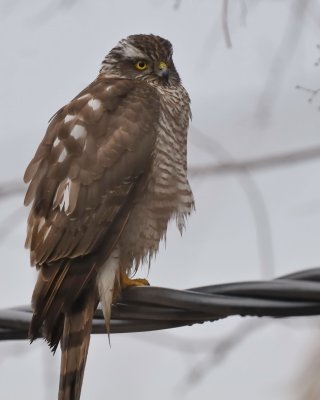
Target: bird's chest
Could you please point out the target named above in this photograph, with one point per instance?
(169, 167)
(166, 191)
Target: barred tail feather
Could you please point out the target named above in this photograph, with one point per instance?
(74, 346)
(77, 328)
(58, 287)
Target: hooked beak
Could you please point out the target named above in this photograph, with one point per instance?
(163, 70)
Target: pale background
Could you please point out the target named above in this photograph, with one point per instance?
(245, 104)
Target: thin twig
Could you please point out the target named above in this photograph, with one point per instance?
(225, 24)
(219, 352)
(10, 222)
(281, 61)
(8, 189)
(177, 4)
(259, 163)
(226, 167)
(255, 199)
(52, 9)
(313, 93)
(243, 12)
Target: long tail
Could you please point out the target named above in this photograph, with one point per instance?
(74, 346)
(64, 301)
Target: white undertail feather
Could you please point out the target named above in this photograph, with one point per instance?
(105, 282)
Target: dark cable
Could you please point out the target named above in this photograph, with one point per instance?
(152, 308)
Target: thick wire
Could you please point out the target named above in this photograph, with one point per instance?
(154, 308)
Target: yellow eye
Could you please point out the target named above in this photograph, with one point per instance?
(141, 65)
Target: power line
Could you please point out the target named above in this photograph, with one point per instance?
(154, 308)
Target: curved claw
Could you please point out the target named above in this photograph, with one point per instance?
(125, 281)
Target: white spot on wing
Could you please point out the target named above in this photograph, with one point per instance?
(78, 131)
(66, 196)
(56, 142)
(68, 118)
(63, 155)
(109, 88)
(95, 104)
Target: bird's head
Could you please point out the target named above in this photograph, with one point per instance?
(144, 57)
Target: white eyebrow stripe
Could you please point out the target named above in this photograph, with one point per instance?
(128, 50)
(95, 104)
(78, 131)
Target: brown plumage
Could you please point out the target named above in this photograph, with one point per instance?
(106, 179)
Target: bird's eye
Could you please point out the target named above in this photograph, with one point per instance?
(141, 65)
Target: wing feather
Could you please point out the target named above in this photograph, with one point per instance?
(92, 155)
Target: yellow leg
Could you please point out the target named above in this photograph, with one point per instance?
(125, 281)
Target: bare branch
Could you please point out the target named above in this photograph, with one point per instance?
(313, 93)
(12, 188)
(225, 26)
(317, 63)
(257, 164)
(243, 12)
(282, 59)
(255, 199)
(8, 224)
(220, 351)
(177, 4)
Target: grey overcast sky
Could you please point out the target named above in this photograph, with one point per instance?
(245, 105)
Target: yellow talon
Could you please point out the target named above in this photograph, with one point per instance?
(125, 281)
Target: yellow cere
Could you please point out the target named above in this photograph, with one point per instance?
(162, 65)
(141, 65)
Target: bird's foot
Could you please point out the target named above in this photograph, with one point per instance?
(125, 281)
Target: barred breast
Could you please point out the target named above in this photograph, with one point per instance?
(167, 193)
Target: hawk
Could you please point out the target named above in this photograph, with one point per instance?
(109, 174)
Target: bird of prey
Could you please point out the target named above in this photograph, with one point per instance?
(109, 174)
